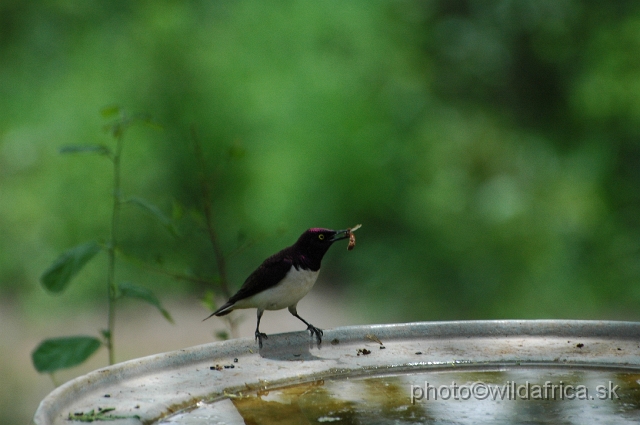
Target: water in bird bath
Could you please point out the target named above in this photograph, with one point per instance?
(538, 395)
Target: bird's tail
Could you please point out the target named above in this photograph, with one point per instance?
(224, 310)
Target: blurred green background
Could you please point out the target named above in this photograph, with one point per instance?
(491, 149)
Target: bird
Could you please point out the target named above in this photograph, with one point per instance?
(285, 278)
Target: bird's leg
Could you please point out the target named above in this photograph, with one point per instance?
(260, 335)
(314, 331)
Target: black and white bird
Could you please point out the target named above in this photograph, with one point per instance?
(285, 278)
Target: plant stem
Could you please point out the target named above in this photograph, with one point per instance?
(213, 236)
(208, 215)
(115, 215)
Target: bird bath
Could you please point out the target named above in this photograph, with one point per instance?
(433, 372)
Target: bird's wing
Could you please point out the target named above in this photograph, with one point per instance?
(267, 275)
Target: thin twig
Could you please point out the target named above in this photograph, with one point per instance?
(213, 236)
(179, 276)
(208, 214)
(240, 249)
(111, 268)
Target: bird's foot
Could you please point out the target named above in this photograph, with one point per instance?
(259, 336)
(317, 332)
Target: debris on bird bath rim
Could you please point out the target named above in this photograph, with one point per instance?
(373, 338)
(352, 237)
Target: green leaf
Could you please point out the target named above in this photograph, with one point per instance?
(223, 335)
(110, 111)
(148, 121)
(177, 211)
(209, 300)
(62, 353)
(155, 212)
(106, 334)
(97, 149)
(236, 152)
(59, 274)
(197, 216)
(130, 290)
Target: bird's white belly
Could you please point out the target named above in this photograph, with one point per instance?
(295, 285)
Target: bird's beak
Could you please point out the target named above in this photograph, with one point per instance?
(340, 234)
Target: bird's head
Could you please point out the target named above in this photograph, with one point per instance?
(316, 241)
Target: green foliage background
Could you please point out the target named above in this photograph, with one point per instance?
(490, 148)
